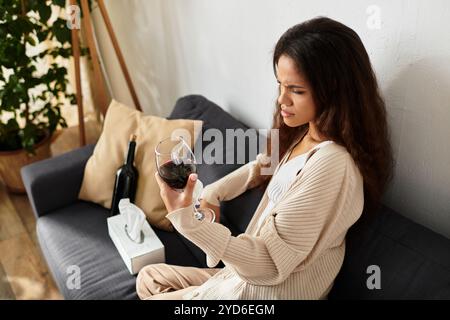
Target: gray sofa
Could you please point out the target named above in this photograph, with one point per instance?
(414, 261)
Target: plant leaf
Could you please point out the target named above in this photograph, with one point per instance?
(45, 11)
(60, 3)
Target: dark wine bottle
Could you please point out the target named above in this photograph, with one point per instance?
(126, 179)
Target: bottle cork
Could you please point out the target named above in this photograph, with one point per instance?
(133, 137)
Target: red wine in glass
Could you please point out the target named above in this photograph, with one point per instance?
(176, 175)
(175, 161)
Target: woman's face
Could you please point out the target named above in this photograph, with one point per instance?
(295, 97)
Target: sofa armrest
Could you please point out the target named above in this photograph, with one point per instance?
(54, 183)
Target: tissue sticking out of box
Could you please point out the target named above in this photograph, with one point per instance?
(134, 219)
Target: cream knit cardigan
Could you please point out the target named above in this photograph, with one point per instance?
(299, 249)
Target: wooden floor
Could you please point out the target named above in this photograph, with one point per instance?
(23, 270)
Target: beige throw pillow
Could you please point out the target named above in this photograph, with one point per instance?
(110, 152)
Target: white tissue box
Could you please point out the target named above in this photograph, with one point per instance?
(135, 255)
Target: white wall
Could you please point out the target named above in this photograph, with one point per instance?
(222, 49)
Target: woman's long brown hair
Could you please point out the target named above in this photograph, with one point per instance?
(349, 108)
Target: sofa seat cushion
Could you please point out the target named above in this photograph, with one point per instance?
(414, 261)
(78, 235)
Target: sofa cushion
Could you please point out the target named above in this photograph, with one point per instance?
(110, 153)
(78, 235)
(414, 261)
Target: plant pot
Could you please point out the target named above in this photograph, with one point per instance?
(12, 161)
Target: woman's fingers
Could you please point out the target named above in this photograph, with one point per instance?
(189, 189)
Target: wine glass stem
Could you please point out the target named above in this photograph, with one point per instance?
(198, 215)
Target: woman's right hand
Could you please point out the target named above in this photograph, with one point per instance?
(216, 209)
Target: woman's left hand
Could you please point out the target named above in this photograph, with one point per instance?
(174, 199)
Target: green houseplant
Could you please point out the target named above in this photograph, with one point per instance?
(33, 85)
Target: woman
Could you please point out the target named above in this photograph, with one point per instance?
(336, 161)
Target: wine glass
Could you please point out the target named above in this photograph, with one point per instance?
(175, 161)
